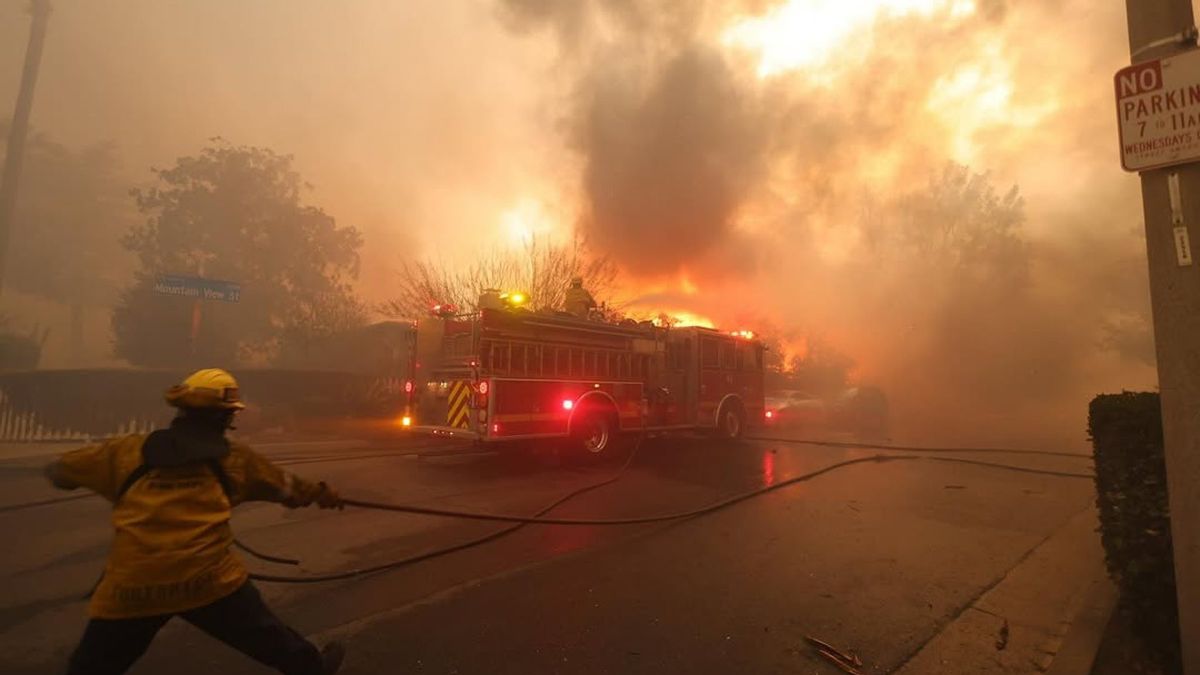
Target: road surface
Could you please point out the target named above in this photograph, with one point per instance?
(875, 557)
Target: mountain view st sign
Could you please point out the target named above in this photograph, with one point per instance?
(198, 288)
(1158, 112)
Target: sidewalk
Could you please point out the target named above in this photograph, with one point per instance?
(16, 451)
(265, 443)
(1046, 614)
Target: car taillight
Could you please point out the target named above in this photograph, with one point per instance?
(770, 414)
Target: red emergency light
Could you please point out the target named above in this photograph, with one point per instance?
(568, 404)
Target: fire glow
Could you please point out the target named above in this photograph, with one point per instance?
(804, 33)
(683, 320)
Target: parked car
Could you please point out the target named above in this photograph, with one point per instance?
(862, 410)
(792, 409)
(857, 409)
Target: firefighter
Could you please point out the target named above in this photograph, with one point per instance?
(172, 492)
(578, 301)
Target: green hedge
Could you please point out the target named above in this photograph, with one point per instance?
(1135, 523)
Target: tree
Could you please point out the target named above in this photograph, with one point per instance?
(542, 271)
(815, 365)
(953, 315)
(72, 209)
(821, 368)
(234, 213)
(774, 361)
(315, 322)
(961, 224)
(20, 351)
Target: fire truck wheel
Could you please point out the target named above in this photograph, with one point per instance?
(595, 436)
(732, 422)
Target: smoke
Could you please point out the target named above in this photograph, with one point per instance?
(667, 168)
(673, 141)
(926, 194)
(841, 170)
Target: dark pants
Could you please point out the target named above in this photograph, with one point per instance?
(240, 620)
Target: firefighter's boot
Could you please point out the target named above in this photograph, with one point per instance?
(332, 655)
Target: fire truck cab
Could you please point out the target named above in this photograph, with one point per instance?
(506, 374)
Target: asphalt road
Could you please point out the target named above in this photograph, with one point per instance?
(873, 557)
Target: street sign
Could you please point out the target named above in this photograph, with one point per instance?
(1158, 112)
(196, 287)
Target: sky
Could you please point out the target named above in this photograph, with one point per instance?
(745, 161)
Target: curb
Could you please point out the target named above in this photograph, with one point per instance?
(1022, 621)
(1082, 642)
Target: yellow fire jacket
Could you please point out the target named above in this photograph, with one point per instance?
(171, 546)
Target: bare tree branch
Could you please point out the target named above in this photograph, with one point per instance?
(543, 271)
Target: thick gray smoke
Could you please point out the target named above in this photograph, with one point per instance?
(842, 175)
(667, 168)
(874, 200)
(673, 140)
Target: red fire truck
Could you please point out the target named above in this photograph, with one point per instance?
(508, 374)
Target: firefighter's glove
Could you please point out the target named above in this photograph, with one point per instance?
(306, 494)
(328, 498)
(55, 473)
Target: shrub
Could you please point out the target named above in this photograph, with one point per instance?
(1135, 524)
(19, 351)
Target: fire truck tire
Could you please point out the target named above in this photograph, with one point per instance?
(731, 422)
(595, 437)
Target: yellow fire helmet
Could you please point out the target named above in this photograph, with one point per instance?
(208, 388)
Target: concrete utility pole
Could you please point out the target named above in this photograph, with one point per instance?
(20, 126)
(1175, 298)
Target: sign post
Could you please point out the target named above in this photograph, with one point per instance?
(1158, 110)
(199, 289)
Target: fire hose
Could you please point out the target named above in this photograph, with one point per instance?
(470, 543)
(916, 448)
(715, 506)
(517, 522)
